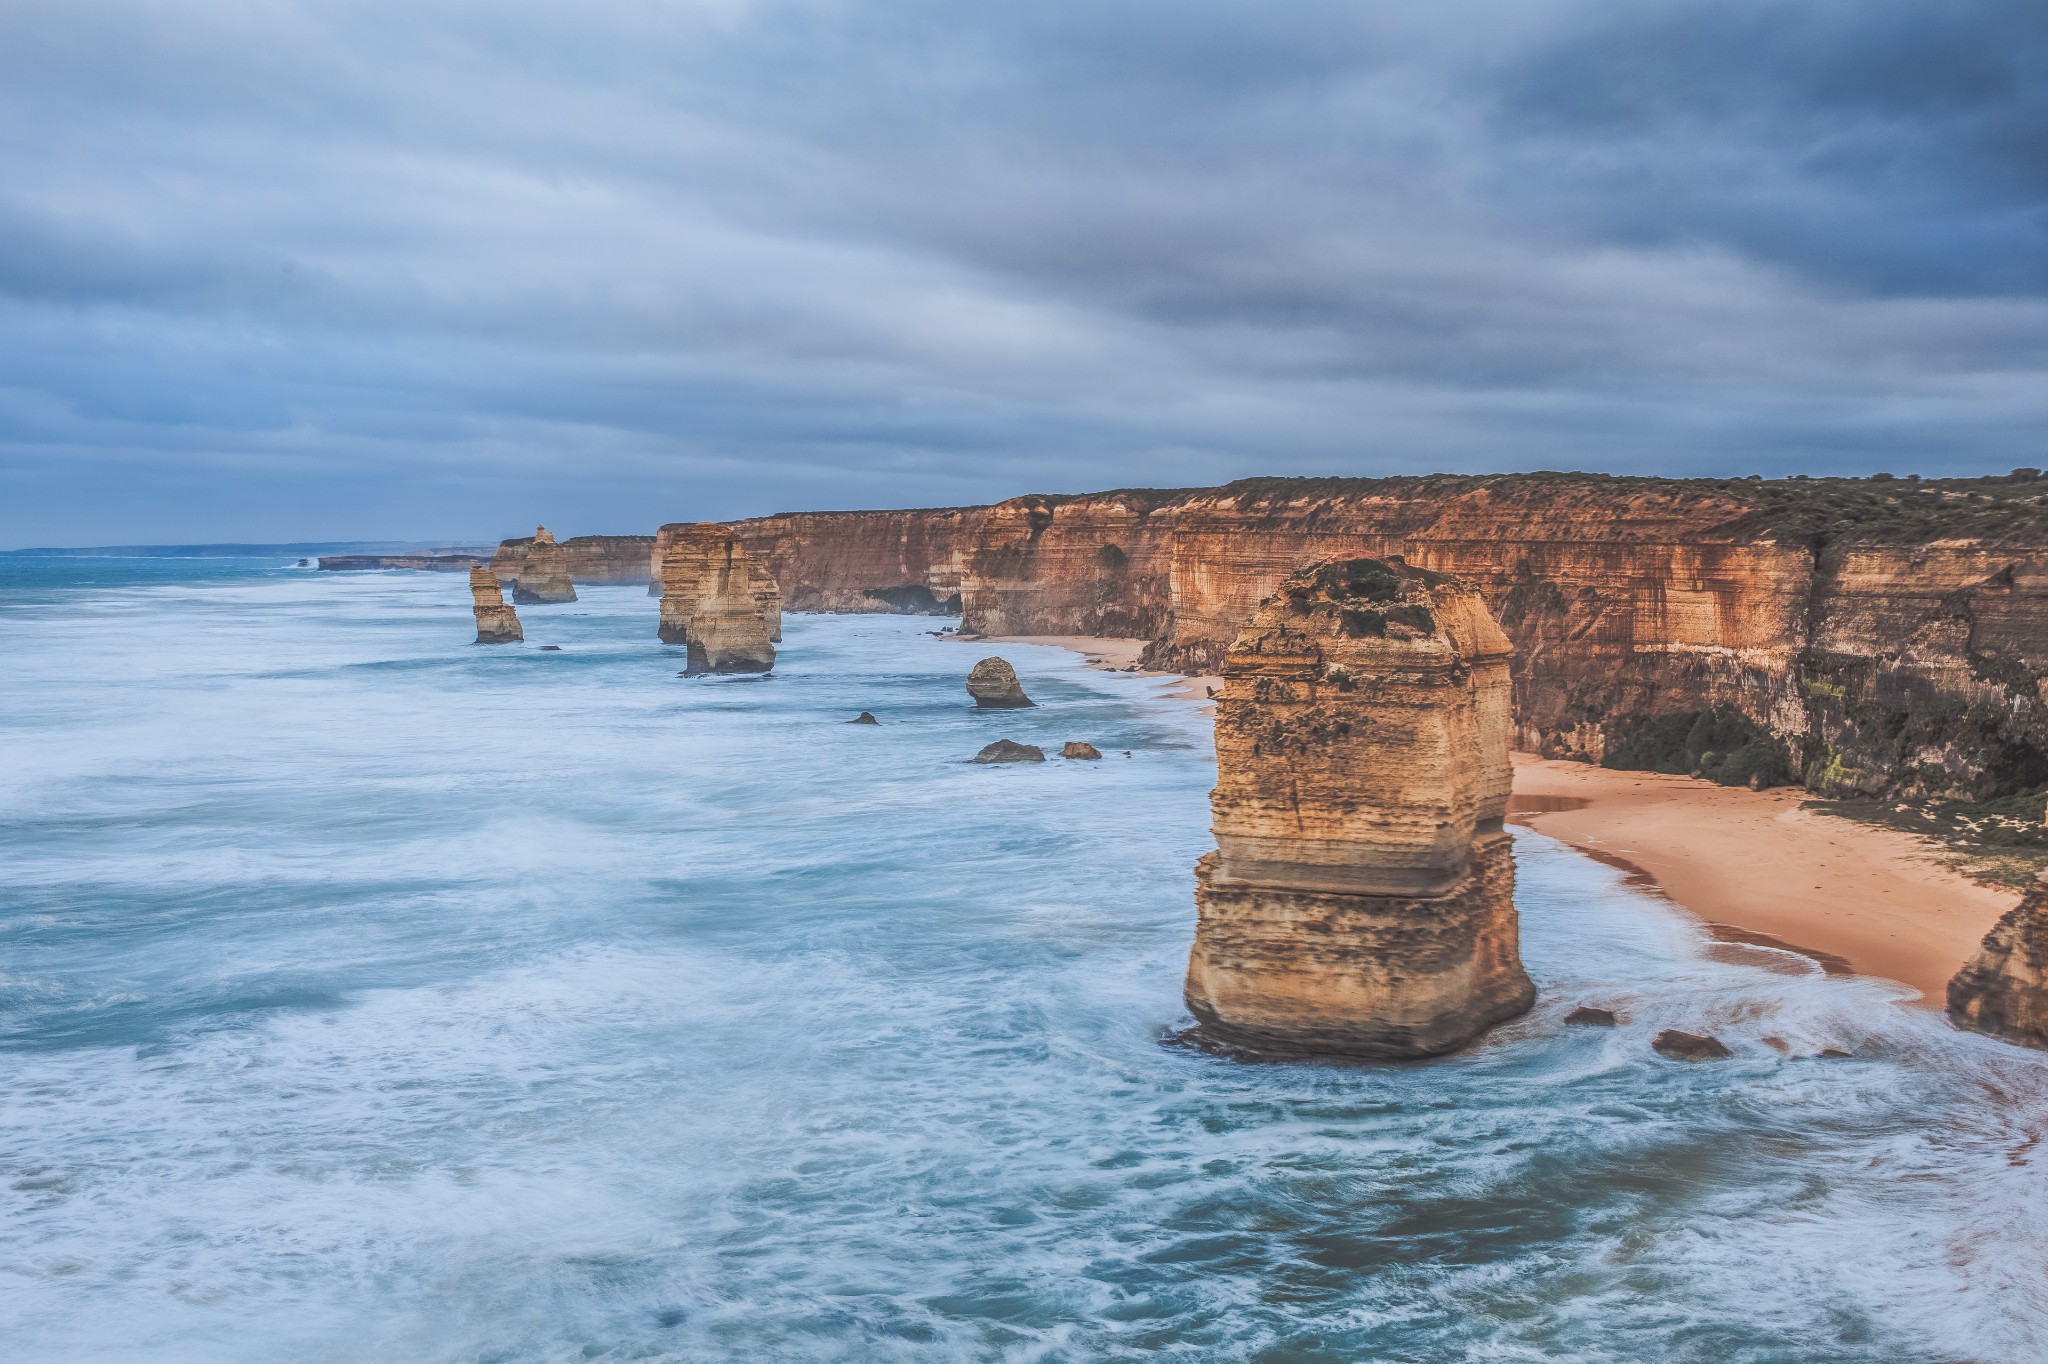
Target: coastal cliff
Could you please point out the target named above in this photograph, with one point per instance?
(1886, 636)
(2003, 990)
(1360, 899)
(588, 558)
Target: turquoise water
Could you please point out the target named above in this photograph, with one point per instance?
(370, 996)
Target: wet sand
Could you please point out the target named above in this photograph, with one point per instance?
(1762, 870)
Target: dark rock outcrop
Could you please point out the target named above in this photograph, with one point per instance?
(993, 685)
(1689, 1046)
(866, 717)
(718, 603)
(429, 563)
(1360, 899)
(1005, 751)
(496, 623)
(1075, 748)
(2003, 990)
(1586, 1016)
(543, 573)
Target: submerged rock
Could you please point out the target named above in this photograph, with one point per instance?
(993, 685)
(864, 718)
(2003, 990)
(496, 623)
(719, 603)
(1360, 899)
(1586, 1016)
(1689, 1046)
(1004, 751)
(1075, 748)
(543, 573)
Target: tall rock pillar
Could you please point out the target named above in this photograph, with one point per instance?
(1360, 901)
(2003, 990)
(496, 623)
(543, 573)
(719, 602)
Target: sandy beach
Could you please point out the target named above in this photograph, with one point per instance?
(1754, 865)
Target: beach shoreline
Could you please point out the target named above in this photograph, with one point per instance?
(1755, 867)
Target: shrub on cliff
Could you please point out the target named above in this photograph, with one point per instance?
(1723, 744)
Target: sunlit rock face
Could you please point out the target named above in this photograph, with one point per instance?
(496, 623)
(543, 572)
(994, 686)
(719, 603)
(2003, 990)
(1360, 901)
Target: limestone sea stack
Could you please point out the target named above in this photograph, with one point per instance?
(993, 685)
(721, 604)
(543, 573)
(496, 623)
(1360, 901)
(2003, 990)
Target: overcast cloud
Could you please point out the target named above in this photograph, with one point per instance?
(417, 268)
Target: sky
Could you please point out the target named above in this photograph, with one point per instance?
(416, 269)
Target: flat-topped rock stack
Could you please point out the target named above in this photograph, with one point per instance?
(1360, 901)
(496, 623)
(543, 573)
(719, 602)
(2003, 990)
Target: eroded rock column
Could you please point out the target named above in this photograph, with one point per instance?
(719, 603)
(2003, 990)
(496, 623)
(1360, 901)
(543, 573)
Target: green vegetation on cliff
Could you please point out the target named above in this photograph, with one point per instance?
(1721, 744)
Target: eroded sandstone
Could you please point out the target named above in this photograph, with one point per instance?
(719, 603)
(2003, 990)
(543, 573)
(994, 686)
(1360, 899)
(496, 623)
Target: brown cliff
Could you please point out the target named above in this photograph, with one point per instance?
(496, 623)
(1887, 636)
(543, 573)
(589, 558)
(718, 602)
(2003, 990)
(1360, 899)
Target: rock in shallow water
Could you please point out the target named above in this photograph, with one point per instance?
(1075, 748)
(1689, 1046)
(2003, 990)
(993, 685)
(1586, 1016)
(1004, 751)
(866, 717)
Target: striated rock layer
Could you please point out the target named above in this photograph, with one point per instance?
(543, 573)
(2003, 990)
(719, 603)
(1360, 901)
(993, 684)
(496, 623)
(589, 558)
(1891, 636)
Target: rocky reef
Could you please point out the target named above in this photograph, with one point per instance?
(2003, 990)
(1888, 636)
(590, 558)
(1360, 899)
(496, 623)
(994, 686)
(425, 563)
(719, 603)
(543, 575)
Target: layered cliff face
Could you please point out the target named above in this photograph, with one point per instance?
(589, 558)
(1360, 899)
(496, 623)
(718, 602)
(1892, 637)
(2004, 988)
(543, 573)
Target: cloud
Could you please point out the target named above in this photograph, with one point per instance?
(271, 270)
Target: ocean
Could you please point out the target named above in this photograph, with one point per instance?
(367, 995)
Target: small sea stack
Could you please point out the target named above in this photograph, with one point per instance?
(1080, 748)
(720, 604)
(1010, 751)
(1360, 901)
(994, 686)
(543, 573)
(2003, 990)
(496, 623)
